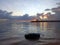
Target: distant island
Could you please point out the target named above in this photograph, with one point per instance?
(47, 21)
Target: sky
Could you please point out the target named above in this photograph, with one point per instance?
(31, 7)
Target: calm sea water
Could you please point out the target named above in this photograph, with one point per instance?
(12, 33)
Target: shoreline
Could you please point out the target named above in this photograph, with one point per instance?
(47, 21)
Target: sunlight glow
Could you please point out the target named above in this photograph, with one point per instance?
(43, 17)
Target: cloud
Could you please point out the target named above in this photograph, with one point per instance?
(57, 9)
(8, 15)
(57, 12)
(47, 9)
(58, 3)
(5, 14)
(24, 17)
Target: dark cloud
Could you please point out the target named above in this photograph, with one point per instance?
(57, 9)
(47, 9)
(24, 17)
(57, 12)
(58, 3)
(5, 14)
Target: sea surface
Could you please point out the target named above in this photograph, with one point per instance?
(12, 33)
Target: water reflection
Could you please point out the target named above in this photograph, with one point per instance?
(5, 30)
(15, 31)
(49, 29)
(43, 26)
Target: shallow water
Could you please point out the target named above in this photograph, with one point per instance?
(12, 33)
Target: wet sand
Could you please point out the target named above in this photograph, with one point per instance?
(42, 41)
(55, 43)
